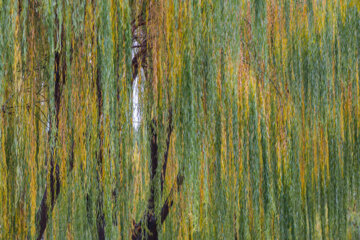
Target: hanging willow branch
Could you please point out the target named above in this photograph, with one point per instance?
(256, 104)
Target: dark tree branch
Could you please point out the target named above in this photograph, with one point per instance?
(149, 218)
(153, 164)
(135, 26)
(140, 57)
(100, 221)
(170, 199)
(155, 158)
(42, 214)
(163, 173)
(139, 35)
(45, 209)
(138, 46)
(138, 19)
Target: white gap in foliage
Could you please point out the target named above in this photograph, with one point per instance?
(136, 114)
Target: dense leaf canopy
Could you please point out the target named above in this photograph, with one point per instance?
(248, 123)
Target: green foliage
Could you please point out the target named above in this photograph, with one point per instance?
(263, 98)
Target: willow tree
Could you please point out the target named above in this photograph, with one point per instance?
(248, 122)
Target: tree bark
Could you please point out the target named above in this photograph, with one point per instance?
(100, 218)
(45, 208)
(42, 214)
(149, 219)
